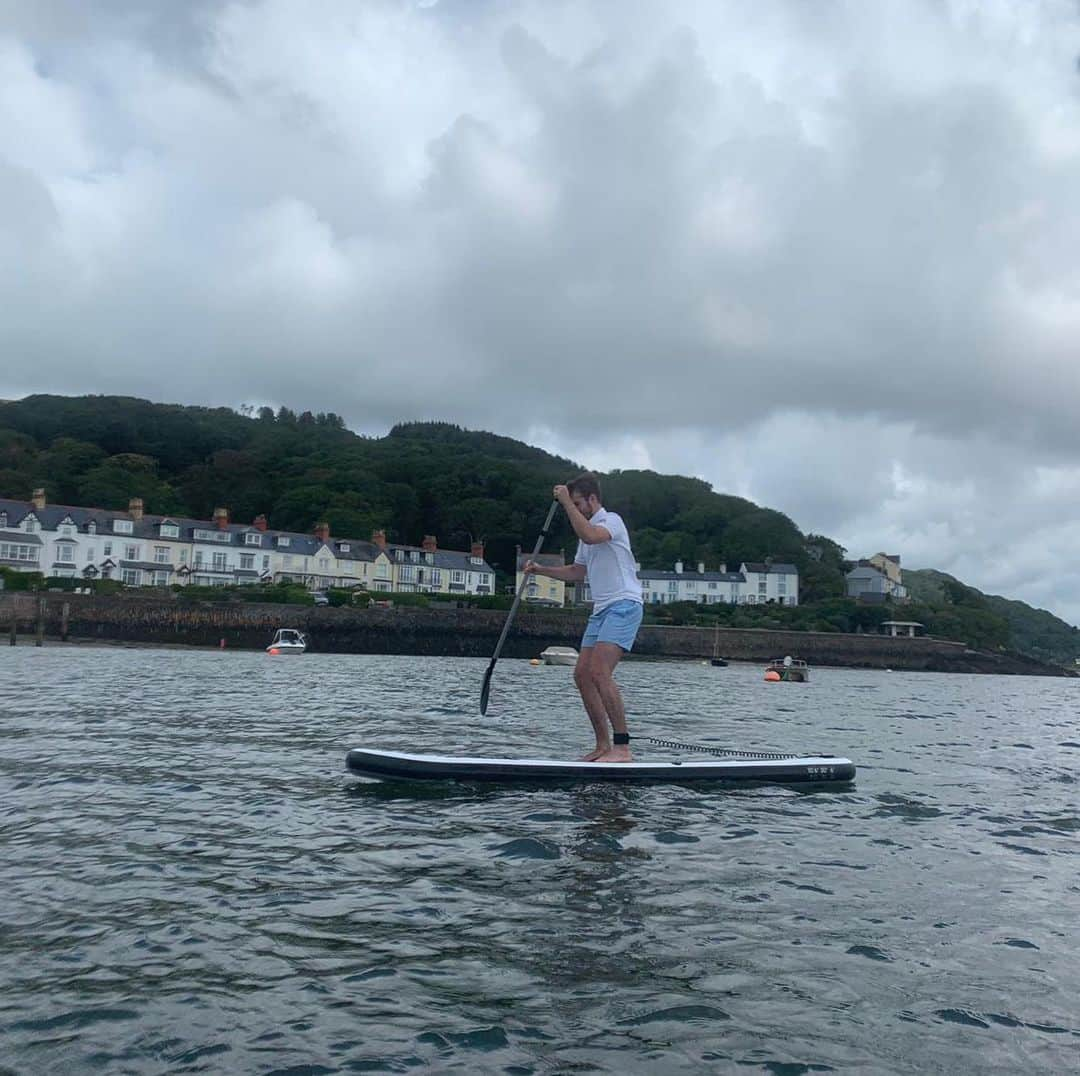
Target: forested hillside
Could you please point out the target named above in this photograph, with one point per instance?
(436, 478)
(421, 478)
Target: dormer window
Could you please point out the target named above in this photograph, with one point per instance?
(429, 557)
(91, 527)
(31, 525)
(283, 539)
(122, 526)
(345, 547)
(170, 530)
(476, 560)
(253, 538)
(414, 556)
(400, 554)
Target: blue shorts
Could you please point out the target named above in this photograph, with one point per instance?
(617, 624)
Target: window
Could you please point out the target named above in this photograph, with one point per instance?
(91, 527)
(283, 540)
(673, 586)
(161, 554)
(183, 556)
(220, 562)
(131, 552)
(435, 578)
(429, 557)
(476, 560)
(266, 563)
(108, 549)
(324, 564)
(66, 530)
(712, 586)
(3, 521)
(382, 570)
(288, 560)
(90, 555)
(170, 530)
(65, 554)
(130, 577)
(30, 525)
(400, 554)
(345, 547)
(348, 567)
(197, 563)
(247, 562)
(122, 526)
(161, 579)
(13, 551)
(253, 538)
(781, 586)
(414, 555)
(407, 574)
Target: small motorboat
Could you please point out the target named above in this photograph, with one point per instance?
(716, 661)
(788, 669)
(559, 655)
(288, 641)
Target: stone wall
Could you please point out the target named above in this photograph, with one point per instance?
(465, 632)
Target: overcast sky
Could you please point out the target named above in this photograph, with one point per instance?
(824, 254)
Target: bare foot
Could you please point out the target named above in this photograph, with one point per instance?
(595, 753)
(615, 754)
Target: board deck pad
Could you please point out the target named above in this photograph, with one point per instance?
(400, 764)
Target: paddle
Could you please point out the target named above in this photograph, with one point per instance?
(485, 690)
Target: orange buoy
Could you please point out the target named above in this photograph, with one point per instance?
(772, 676)
(274, 650)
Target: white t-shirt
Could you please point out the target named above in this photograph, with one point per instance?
(610, 566)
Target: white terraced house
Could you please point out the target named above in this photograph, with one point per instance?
(138, 549)
(752, 584)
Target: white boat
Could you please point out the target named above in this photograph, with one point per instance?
(559, 655)
(288, 641)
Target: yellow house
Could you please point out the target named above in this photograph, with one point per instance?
(427, 569)
(542, 590)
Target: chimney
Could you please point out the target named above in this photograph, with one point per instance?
(678, 567)
(723, 566)
(477, 550)
(322, 532)
(39, 499)
(701, 567)
(259, 522)
(430, 545)
(221, 518)
(135, 508)
(379, 538)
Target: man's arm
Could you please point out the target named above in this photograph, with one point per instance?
(588, 532)
(568, 573)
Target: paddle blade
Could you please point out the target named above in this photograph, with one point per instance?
(485, 689)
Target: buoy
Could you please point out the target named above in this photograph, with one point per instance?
(274, 650)
(772, 676)
(535, 661)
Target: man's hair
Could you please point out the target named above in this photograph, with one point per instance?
(587, 484)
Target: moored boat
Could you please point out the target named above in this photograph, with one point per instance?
(288, 641)
(559, 655)
(788, 669)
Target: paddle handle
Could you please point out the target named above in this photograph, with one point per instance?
(524, 583)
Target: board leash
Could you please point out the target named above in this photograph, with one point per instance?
(722, 751)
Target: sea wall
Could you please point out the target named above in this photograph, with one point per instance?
(462, 632)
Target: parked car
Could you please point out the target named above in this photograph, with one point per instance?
(320, 598)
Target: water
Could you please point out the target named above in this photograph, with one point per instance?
(191, 882)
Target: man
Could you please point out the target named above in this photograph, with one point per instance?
(604, 558)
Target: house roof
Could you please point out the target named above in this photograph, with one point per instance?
(706, 577)
(20, 536)
(771, 569)
(550, 560)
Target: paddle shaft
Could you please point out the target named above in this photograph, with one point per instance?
(521, 589)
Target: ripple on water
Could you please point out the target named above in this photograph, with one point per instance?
(192, 883)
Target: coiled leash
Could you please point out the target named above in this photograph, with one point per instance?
(722, 751)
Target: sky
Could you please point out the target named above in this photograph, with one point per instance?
(823, 255)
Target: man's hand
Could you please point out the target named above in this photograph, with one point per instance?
(530, 568)
(562, 495)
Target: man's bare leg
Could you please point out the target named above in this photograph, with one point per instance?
(594, 706)
(602, 667)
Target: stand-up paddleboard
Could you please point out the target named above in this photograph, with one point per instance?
(794, 770)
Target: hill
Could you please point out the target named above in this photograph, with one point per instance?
(1034, 632)
(421, 478)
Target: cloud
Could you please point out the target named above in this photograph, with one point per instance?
(817, 256)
